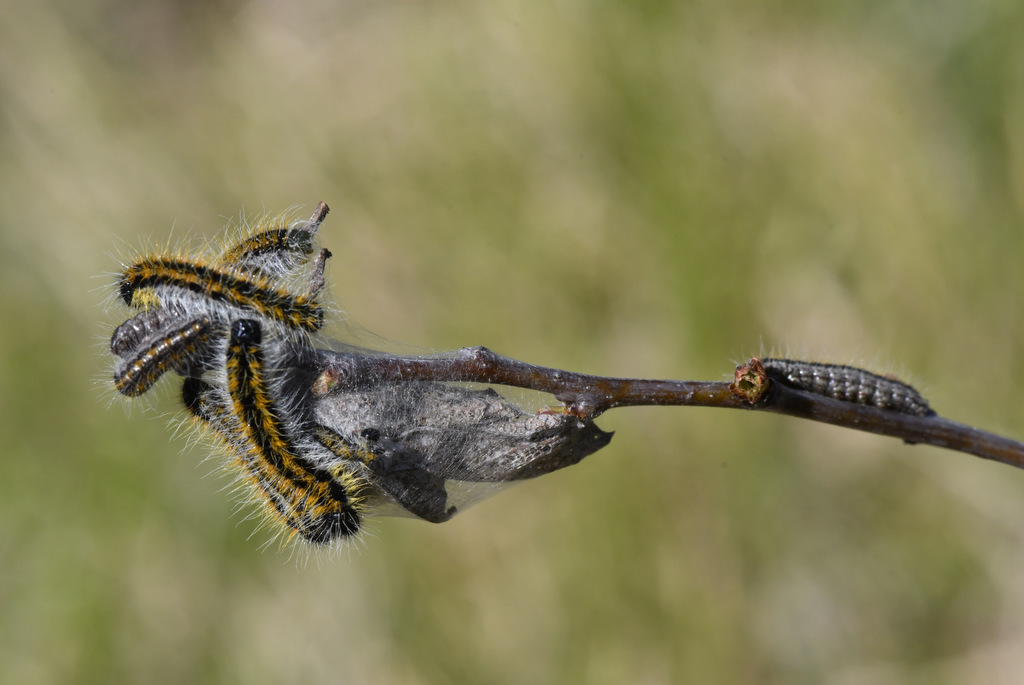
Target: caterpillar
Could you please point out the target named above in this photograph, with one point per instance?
(320, 504)
(220, 284)
(848, 384)
(275, 250)
(175, 348)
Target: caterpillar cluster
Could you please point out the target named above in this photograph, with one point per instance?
(229, 322)
(240, 324)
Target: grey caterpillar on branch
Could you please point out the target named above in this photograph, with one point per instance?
(848, 384)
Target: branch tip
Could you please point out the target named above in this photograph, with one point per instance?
(750, 382)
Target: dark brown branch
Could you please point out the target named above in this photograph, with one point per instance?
(583, 395)
(929, 430)
(589, 396)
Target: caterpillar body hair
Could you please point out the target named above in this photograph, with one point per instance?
(849, 384)
(200, 399)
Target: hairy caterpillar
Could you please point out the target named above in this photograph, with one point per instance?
(319, 503)
(175, 348)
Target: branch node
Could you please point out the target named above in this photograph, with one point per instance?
(478, 355)
(336, 374)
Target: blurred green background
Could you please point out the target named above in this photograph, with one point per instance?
(657, 189)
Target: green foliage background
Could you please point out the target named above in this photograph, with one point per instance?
(645, 188)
